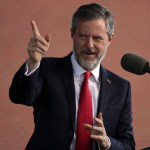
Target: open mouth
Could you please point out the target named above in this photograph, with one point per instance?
(89, 53)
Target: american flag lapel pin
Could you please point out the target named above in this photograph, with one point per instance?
(108, 81)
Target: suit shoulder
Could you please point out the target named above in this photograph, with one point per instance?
(117, 77)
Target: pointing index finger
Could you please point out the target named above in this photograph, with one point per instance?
(35, 29)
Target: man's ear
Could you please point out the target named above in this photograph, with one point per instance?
(111, 37)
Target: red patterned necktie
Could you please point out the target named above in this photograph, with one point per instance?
(83, 140)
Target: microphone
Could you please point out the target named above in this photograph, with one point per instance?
(135, 64)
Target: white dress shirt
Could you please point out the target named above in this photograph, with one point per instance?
(94, 86)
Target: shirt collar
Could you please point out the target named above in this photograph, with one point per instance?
(78, 70)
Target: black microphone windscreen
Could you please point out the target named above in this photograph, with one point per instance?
(135, 64)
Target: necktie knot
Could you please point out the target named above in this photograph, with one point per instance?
(87, 75)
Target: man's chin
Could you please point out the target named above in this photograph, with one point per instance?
(89, 58)
(89, 65)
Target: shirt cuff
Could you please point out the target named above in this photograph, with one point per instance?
(31, 72)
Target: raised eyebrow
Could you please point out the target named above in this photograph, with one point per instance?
(98, 36)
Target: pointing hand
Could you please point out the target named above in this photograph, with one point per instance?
(37, 46)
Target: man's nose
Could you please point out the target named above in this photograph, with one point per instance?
(89, 43)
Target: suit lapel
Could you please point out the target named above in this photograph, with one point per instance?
(105, 90)
(68, 80)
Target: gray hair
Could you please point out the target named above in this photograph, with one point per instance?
(91, 12)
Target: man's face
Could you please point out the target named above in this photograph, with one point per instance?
(90, 43)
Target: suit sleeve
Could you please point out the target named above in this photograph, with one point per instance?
(125, 138)
(26, 89)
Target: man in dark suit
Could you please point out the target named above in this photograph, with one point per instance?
(52, 86)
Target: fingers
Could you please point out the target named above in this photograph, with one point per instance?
(38, 49)
(100, 115)
(99, 122)
(94, 130)
(97, 137)
(98, 132)
(88, 127)
(38, 45)
(98, 128)
(48, 38)
(34, 41)
(35, 29)
(37, 33)
(37, 37)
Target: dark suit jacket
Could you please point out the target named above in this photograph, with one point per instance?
(51, 92)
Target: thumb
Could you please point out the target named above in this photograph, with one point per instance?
(47, 38)
(100, 116)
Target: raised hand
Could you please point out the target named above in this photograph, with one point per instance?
(37, 47)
